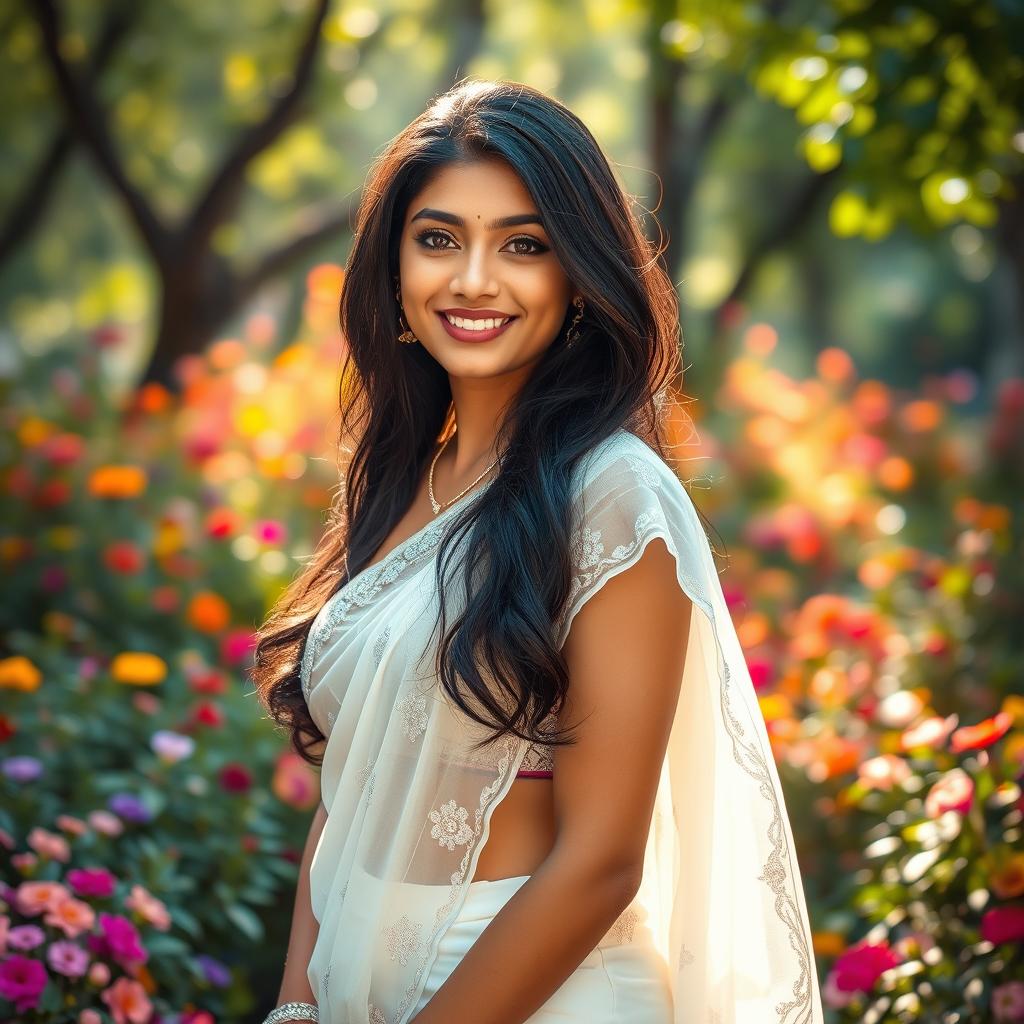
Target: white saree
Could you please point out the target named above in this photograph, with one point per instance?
(408, 802)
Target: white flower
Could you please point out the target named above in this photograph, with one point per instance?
(451, 826)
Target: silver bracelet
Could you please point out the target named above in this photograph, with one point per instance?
(292, 1011)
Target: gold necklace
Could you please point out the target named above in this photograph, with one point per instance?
(437, 507)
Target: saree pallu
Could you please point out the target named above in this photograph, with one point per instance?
(409, 802)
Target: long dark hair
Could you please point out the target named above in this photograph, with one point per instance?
(396, 405)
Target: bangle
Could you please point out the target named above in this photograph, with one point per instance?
(292, 1011)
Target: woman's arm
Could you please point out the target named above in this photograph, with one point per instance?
(625, 651)
(295, 984)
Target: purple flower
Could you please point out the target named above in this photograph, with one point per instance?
(216, 973)
(26, 936)
(129, 807)
(68, 958)
(23, 768)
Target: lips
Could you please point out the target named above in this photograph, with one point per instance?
(462, 334)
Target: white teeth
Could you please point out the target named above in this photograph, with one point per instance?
(476, 325)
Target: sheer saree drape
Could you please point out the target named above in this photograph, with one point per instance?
(409, 803)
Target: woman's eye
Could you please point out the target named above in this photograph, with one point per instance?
(539, 247)
(424, 236)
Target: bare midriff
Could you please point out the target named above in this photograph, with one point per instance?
(522, 831)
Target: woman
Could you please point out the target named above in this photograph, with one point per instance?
(548, 793)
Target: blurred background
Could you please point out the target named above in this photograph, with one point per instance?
(840, 189)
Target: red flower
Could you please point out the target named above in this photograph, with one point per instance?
(123, 556)
(1003, 924)
(208, 713)
(984, 734)
(208, 681)
(235, 778)
(857, 969)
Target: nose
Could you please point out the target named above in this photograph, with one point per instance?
(474, 277)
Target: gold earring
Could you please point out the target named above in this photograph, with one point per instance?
(573, 335)
(406, 337)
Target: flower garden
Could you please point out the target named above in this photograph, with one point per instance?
(152, 819)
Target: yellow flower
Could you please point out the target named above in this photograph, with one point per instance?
(1014, 706)
(138, 668)
(18, 673)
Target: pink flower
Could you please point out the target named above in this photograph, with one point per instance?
(49, 845)
(1008, 1003)
(5, 924)
(832, 997)
(932, 732)
(24, 861)
(1003, 924)
(270, 531)
(89, 1017)
(25, 937)
(35, 897)
(106, 823)
(120, 940)
(883, 772)
(22, 981)
(953, 792)
(91, 882)
(68, 958)
(148, 907)
(128, 1002)
(859, 967)
(99, 973)
(75, 826)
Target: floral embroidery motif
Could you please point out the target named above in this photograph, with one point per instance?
(402, 939)
(380, 643)
(590, 548)
(331, 718)
(685, 957)
(327, 979)
(645, 472)
(376, 1015)
(451, 827)
(625, 924)
(412, 711)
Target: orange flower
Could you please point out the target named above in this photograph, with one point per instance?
(294, 782)
(138, 668)
(208, 612)
(71, 916)
(18, 673)
(1006, 874)
(117, 482)
(128, 1002)
(828, 943)
(35, 897)
(984, 734)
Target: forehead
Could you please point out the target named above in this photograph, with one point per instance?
(478, 190)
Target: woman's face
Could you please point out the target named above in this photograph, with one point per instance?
(454, 255)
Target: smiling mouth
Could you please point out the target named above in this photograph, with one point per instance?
(475, 330)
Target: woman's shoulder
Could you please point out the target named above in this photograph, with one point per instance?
(624, 459)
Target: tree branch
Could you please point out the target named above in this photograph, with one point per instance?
(221, 194)
(283, 257)
(88, 122)
(27, 209)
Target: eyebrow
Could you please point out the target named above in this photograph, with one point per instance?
(502, 222)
